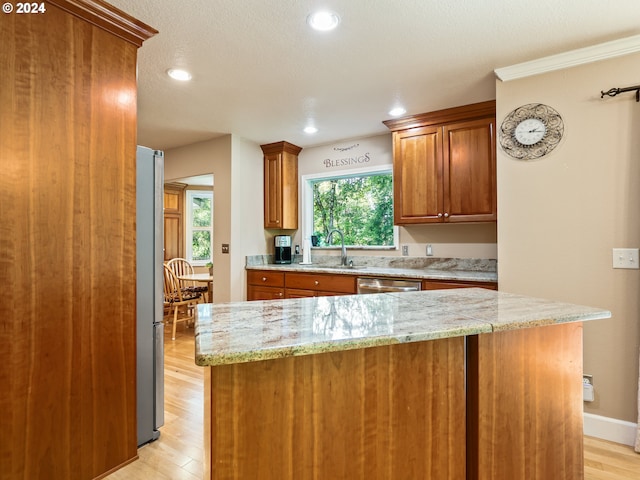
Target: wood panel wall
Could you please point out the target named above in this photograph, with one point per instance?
(67, 241)
(524, 418)
(389, 412)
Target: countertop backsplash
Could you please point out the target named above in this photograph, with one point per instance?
(418, 263)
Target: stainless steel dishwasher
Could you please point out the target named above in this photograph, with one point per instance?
(384, 285)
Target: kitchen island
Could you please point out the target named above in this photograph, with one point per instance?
(448, 384)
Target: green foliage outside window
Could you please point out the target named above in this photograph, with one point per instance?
(201, 225)
(361, 207)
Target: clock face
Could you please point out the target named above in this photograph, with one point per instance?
(531, 131)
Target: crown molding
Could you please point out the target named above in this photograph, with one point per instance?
(581, 56)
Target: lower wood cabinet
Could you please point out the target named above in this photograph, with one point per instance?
(265, 285)
(318, 284)
(270, 285)
(388, 412)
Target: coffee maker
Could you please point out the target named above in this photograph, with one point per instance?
(282, 248)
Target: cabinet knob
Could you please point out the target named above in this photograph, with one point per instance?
(439, 215)
(280, 294)
(317, 282)
(264, 279)
(446, 215)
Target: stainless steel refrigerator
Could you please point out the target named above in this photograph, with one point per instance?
(149, 285)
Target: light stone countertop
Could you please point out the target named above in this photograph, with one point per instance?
(467, 270)
(240, 332)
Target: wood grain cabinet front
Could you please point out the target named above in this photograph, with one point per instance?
(68, 208)
(280, 185)
(173, 220)
(318, 284)
(265, 285)
(269, 285)
(444, 166)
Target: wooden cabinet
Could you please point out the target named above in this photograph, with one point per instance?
(443, 284)
(280, 185)
(269, 285)
(68, 211)
(444, 166)
(387, 412)
(265, 285)
(173, 220)
(318, 284)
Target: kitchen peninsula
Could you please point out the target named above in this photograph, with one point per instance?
(445, 384)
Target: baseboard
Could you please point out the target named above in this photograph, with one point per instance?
(610, 429)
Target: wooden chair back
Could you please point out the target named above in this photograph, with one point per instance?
(179, 302)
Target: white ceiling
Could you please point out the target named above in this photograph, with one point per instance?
(261, 73)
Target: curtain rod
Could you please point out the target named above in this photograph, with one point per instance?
(615, 91)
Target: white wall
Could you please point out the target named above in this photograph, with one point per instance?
(560, 217)
(236, 165)
(248, 236)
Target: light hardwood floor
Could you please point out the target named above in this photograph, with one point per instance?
(178, 454)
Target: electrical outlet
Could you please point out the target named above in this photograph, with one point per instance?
(626, 258)
(588, 395)
(429, 251)
(225, 248)
(405, 250)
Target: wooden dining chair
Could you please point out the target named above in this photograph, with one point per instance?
(181, 266)
(180, 303)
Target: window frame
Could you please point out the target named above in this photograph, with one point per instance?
(306, 203)
(190, 229)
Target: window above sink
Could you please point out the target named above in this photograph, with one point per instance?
(358, 202)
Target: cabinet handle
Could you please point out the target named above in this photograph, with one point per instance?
(317, 283)
(264, 279)
(439, 215)
(446, 215)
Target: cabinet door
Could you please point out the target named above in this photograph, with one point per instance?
(298, 293)
(273, 190)
(321, 282)
(470, 171)
(172, 236)
(417, 176)
(255, 292)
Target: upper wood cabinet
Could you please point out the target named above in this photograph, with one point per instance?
(68, 213)
(280, 185)
(444, 166)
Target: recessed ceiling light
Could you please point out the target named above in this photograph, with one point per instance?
(323, 20)
(310, 129)
(394, 112)
(178, 74)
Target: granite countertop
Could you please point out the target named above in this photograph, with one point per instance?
(468, 270)
(261, 330)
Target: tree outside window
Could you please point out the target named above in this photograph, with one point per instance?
(199, 226)
(361, 206)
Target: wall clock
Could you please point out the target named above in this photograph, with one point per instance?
(531, 131)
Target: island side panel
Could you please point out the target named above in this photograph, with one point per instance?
(525, 404)
(395, 411)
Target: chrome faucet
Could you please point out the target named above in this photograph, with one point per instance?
(343, 256)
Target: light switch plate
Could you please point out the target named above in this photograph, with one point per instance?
(626, 258)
